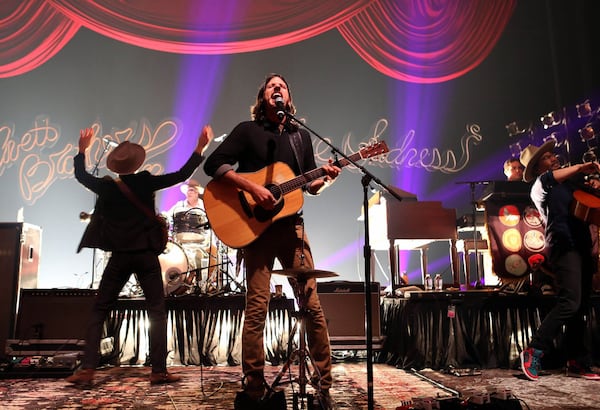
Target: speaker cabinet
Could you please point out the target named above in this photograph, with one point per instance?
(54, 313)
(343, 304)
(19, 261)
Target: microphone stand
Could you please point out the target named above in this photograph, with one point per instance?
(472, 184)
(365, 181)
(94, 172)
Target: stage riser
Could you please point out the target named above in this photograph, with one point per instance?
(201, 329)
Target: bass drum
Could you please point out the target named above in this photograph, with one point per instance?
(174, 265)
(204, 261)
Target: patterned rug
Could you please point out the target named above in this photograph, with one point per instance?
(203, 388)
(552, 391)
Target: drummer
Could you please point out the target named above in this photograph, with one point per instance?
(190, 226)
(193, 198)
(187, 216)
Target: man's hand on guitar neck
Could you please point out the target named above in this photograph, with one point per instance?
(318, 185)
(592, 171)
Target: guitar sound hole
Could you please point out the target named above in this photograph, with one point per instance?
(275, 190)
(261, 214)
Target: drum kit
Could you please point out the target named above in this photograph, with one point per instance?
(194, 261)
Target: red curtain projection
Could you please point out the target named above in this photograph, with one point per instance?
(419, 41)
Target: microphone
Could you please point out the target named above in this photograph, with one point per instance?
(220, 138)
(280, 106)
(110, 142)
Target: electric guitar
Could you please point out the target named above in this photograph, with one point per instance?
(238, 220)
(586, 206)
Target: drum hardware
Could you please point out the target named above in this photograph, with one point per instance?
(301, 355)
(195, 262)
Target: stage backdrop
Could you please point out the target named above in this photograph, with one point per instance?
(437, 80)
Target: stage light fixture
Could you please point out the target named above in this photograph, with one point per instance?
(587, 133)
(515, 150)
(515, 129)
(551, 119)
(584, 109)
(589, 156)
(559, 138)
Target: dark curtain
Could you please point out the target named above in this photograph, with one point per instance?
(471, 329)
(203, 331)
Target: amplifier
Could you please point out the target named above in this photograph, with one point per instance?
(343, 304)
(54, 313)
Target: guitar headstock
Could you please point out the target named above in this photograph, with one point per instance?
(372, 150)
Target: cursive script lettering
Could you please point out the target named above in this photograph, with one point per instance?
(432, 159)
(41, 163)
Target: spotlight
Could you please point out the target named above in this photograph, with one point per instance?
(557, 136)
(584, 109)
(589, 156)
(587, 133)
(551, 119)
(515, 129)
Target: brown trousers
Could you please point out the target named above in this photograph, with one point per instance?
(284, 240)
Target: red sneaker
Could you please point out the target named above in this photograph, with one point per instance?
(575, 369)
(530, 362)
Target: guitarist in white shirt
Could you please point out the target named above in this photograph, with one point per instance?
(253, 146)
(572, 258)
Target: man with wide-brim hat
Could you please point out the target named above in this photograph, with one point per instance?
(126, 158)
(530, 157)
(122, 222)
(571, 260)
(194, 185)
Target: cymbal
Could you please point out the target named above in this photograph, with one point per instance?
(300, 273)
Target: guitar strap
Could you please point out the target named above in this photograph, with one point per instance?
(296, 142)
(134, 199)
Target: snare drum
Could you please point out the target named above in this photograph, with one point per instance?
(191, 226)
(174, 265)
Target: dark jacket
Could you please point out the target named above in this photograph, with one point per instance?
(117, 224)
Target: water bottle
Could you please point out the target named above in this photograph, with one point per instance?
(428, 282)
(438, 282)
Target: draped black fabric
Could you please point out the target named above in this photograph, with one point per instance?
(202, 330)
(488, 329)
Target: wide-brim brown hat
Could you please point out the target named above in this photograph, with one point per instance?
(126, 158)
(192, 183)
(530, 157)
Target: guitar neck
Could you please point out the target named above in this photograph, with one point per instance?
(316, 173)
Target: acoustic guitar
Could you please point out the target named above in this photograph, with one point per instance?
(238, 220)
(586, 206)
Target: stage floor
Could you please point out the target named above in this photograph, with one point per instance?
(214, 388)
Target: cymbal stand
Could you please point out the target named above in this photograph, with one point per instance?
(301, 354)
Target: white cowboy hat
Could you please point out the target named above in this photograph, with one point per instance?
(192, 183)
(126, 158)
(530, 157)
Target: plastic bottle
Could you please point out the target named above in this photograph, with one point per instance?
(428, 282)
(438, 282)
